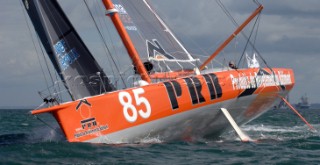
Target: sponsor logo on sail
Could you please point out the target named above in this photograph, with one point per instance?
(156, 51)
(131, 28)
(120, 9)
(65, 57)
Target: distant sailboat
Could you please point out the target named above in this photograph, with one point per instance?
(175, 96)
(304, 102)
(282, 104)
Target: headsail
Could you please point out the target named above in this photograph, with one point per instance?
(69, 55)
(152, 38)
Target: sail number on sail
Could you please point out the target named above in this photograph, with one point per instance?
(126, 101)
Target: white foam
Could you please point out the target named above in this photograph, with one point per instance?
(280, 129)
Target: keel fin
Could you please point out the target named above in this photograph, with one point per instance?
(241, 134)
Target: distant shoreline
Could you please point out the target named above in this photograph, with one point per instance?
(17, 107)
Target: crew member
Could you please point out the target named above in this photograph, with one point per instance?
(232, 65)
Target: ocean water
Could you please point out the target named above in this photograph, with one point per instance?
(282, 138)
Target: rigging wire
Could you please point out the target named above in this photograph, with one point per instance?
(155, 32)
(102, 24)
(58, 86)
(257, 29)
(129, 67)
(124, 72)
(100, 33)
(199, 48)
(257, 2)
(237, 25)
(104, 42)
(224, 9)
(243, 34)
(62, 35)
(168, 30)
(47, 124)
(168, 33)
(161, 30)
(142, 15)
(248, 40)
(38, 57)
(48, 69)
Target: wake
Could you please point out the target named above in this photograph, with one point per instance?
(280, 133)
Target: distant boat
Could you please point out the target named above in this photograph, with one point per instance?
(304, 103)
(282, 104)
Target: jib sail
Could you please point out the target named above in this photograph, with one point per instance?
(71, 58)
(153, 40)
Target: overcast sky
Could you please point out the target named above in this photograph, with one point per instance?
(288, 36)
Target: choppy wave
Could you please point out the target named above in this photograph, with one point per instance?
(260, 132)
(7, 139)
(36, 136)
(281, 139)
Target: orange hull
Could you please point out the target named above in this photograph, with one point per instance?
(176, 109)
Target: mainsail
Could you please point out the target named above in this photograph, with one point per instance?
(153, 40)
(71, 58)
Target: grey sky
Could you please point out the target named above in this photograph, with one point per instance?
(289, 36)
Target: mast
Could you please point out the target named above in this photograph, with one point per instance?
(232, 36)
(126, 40)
